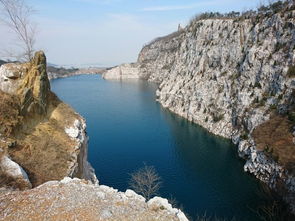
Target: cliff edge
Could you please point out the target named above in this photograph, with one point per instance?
(40, 137)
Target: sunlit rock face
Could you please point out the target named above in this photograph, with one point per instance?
(124, 71)
(41, 138)
(231, 75)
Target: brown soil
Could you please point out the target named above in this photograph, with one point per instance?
(275, 138)
(32, 125)
(9, 113)
(43, 148)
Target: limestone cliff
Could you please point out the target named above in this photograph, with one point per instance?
(236, 78)
(41, 138)
(124, 71)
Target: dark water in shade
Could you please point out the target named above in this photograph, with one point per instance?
(127, 127)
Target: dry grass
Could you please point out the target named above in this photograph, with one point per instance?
(44, 150)
(10, 182)
(9, 113)
(275, 138)
(40, 143)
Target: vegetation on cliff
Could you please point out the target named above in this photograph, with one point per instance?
(33, 122)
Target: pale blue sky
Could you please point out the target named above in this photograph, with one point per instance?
(110, 32)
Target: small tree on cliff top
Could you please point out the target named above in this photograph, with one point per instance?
(145, 181)
(16, 15)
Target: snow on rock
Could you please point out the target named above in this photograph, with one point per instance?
(14, 170)
(75, 130)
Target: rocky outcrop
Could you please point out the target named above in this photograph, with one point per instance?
(9, 75)
(80, 166)
(75, 199)
(40, 134)
(230, 75)
(124, 71)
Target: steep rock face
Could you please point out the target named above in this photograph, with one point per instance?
(44, 136)
(124, 71)
(74, 199)
(230, 76)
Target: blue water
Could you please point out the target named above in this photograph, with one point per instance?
(128, 128)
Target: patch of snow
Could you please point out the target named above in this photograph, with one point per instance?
(13, 169)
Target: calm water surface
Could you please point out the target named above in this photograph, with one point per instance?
(127, 127)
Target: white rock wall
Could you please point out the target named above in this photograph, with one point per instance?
(124, 71)
(226, 75)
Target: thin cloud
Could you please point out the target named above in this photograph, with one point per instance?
(169, 8)
(186, 6)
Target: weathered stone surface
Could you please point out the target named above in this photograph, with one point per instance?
(9, 77)
(75, 199)
(35, 87)
(124, 71)
(53, 134)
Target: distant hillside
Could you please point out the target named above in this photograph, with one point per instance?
(2, 62)
(60, 71)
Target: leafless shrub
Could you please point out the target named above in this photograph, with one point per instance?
(145, 181)
(16, 15)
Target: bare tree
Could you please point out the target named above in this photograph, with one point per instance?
(16, 15)
(145, 181)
